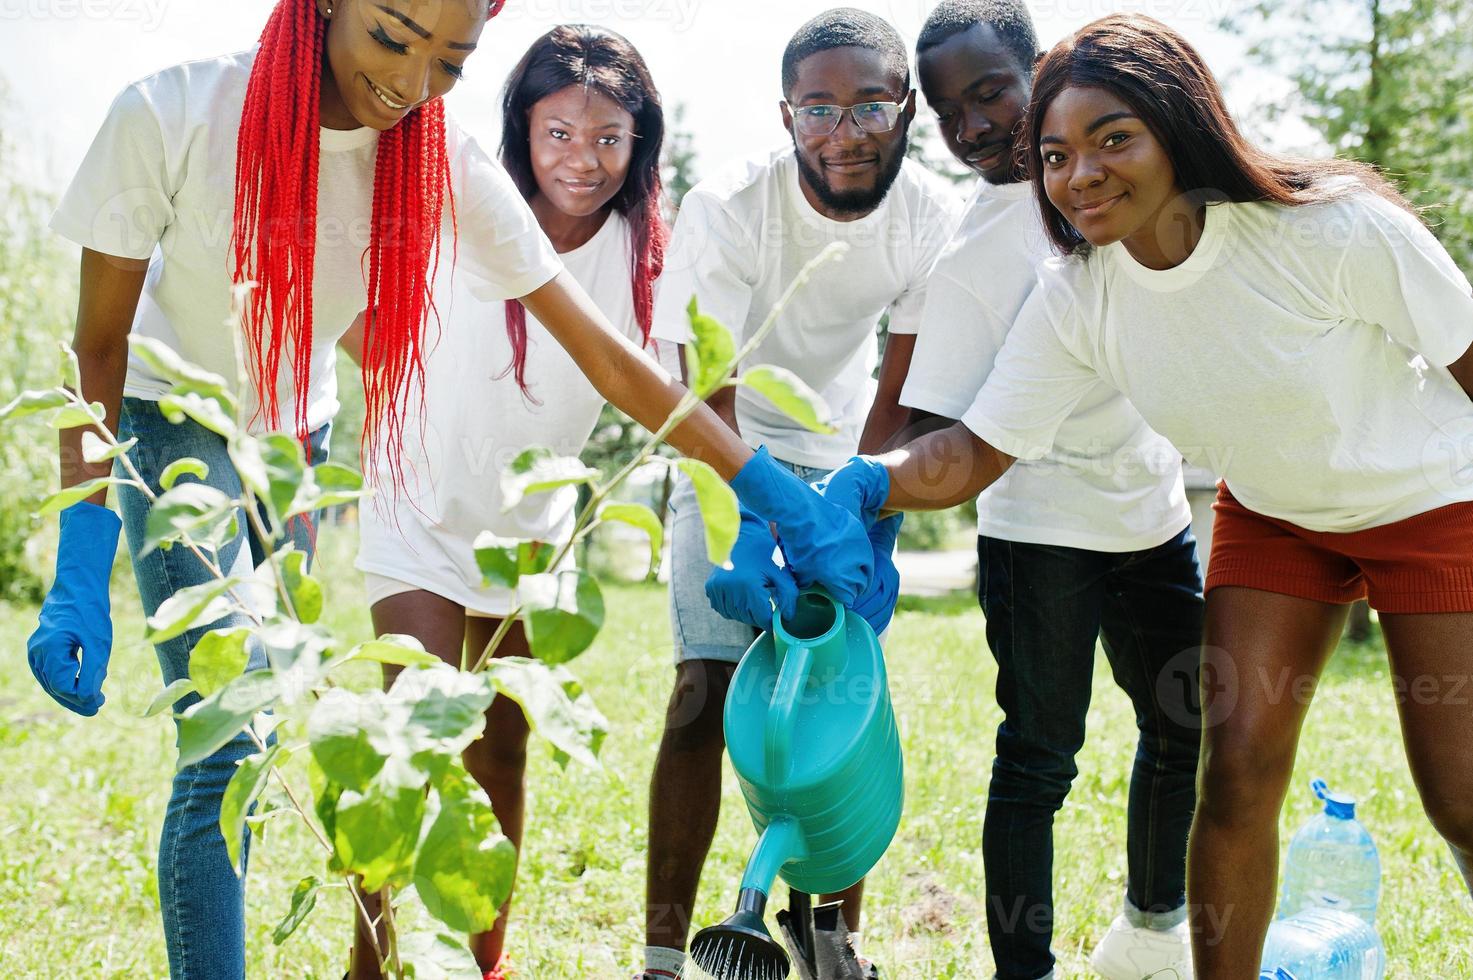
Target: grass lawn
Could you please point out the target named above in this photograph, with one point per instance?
(83, 800)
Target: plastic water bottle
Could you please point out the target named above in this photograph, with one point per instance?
(1323, 944)
(1332, 862)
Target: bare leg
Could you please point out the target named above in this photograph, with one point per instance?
(498, 761)
(1262, 655)
(853, 899)
(439, 624)
(1430, 659)
(685, 798)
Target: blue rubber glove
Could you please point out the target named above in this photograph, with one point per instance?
(71, 646)
(861, 486)
(877, 603)
(748, 591)
(823, 543)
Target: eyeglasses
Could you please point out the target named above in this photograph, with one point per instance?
(821, 120)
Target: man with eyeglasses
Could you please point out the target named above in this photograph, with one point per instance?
(740, 238)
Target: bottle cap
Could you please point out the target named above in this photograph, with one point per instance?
(1336, 804)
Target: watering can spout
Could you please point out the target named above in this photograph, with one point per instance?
(781, 842)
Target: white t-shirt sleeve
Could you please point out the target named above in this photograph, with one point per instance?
(1395, 274)
(498, 239)
(955, 349)
(706, 259)
(121, 199)
(1035, 385)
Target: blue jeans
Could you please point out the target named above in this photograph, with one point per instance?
(202, 900)
(1045, 606)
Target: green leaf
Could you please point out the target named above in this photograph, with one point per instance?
(792, 396)
(349, 737)
(394, 648)
(718, 509)
(465, 867)
(61, 500)
(202, 512)
(218, 658)
(96, 450)
(538, 470)
(206, 726)
(709, 353)
(447, 710)
(245, 785)
(564, 613)
(505, 560)
(555, 704)
(376, 832)
(640, 516)
(496, 557)
(297, 653)
(184, 466)
(166, 698)
(327, 485)
(306, 591)
(193, 606)
(32, 402)
(72, 416)
(274, 468)
(208, 412)
(167, 364)
(430, 956)
(304, 897)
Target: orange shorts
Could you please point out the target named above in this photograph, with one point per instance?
(1423, 564)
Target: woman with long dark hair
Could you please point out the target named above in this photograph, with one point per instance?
(1294, 326)
(582, 128)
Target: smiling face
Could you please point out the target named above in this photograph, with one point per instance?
(979, 91)
(388, 57)
(1105, 170)
(581, 142)
(847, 173)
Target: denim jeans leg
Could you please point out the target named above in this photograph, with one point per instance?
(1042, 605)
(1152, 635)
(201, 898)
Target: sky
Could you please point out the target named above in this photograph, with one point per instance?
(63, 61)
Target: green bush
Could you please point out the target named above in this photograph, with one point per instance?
(37, 298)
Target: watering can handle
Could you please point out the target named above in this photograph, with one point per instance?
(782, 713)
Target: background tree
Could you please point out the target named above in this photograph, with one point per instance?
(1388, 82)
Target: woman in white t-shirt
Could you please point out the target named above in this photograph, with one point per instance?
(320, 165)
(582, 130)
(1294, 326)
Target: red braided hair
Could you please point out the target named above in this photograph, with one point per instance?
(275, 231)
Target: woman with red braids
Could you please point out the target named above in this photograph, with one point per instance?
(321, 166)
(582, 129)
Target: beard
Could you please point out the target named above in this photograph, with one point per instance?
(858, 202)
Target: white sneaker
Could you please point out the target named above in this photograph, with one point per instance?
(1135, 953)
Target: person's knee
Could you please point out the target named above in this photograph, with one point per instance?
(1033, 775)
(1451, 811)
(693, 716)
(1245, 769)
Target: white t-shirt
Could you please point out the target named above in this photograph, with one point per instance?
(477, 421)
(740, 238)
(159, 183)
(1299, 352)
(1109, 483)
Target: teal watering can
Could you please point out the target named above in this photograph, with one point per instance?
(812, 737)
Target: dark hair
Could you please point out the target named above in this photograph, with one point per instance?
(599, 59)
(1009, 18)
(1164, 80)
(845, 27)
